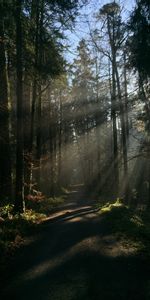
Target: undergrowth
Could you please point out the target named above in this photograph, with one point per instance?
(15, 228)
(130, 225)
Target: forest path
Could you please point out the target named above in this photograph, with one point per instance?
(77, 202)
(75, 257)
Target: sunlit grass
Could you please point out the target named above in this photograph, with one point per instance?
(108, 207)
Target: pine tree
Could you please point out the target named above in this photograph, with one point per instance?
(5, 154)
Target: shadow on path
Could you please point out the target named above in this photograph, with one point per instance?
(75, 258)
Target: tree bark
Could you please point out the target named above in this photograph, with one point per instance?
(5, 156)
(35, 19)
(19, 200)
(126, 96)
(114, 102)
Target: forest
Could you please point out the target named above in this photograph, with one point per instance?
(75, 149)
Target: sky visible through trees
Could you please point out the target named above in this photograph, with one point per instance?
(86, 15)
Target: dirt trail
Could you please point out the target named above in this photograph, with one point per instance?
(75, 257)
(77, 202)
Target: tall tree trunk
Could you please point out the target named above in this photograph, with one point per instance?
(5, 161)
(116, 75)
(60, 140)
(19, 200)
(126, 96)
(123, 136)
(39, 98)
(114, 119)
(122, 118)
(34, 93)
(35, 19)
(39, 111)
(144, 97)
(114, 100)
(38, 129)
(38, 139)
(51, 148)
(27, 123)
(98, 138)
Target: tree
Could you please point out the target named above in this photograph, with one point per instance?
(5, 160)
(139, 47)
(110, 10)
(43, 60)
(139, 40)
(83, 84)
(19, 200)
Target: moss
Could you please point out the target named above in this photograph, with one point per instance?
(108, 207)
(129, 225)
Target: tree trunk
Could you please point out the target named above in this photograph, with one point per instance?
(51, 148)
(38, 139)
(126, 96)
(122, 118)
(60, 140)
(39, 58)
(35, 20)
(19, 201)
(5, 161)
(123, 135)
(39, 100)
(144, 97)
(113, 113)
(98, 138)
(114, 101)
(27, 124)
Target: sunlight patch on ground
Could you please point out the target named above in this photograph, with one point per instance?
(74, 220)
(83, 216)
(108, 207)
(108, 246)
(114, 248)
(68, 213)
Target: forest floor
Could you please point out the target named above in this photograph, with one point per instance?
(83, 252)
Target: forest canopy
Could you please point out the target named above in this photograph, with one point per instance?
(68, 121)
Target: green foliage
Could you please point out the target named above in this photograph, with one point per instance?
(67, 9)
(139, 42)
(15, 228)
(130, 225)
(110, 9)
(6, 210)
(116, 28)
(108, 207)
